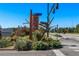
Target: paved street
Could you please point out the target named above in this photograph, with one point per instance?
(70, 44)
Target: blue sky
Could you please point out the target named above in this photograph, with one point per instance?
(12, 15)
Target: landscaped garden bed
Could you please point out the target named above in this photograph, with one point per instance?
(37, 42)
(23, 43)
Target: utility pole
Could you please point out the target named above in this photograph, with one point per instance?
(31, 24)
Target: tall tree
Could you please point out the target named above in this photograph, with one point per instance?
(77, 28)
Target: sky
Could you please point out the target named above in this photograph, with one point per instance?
(14, 14)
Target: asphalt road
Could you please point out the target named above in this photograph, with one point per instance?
(70, 44)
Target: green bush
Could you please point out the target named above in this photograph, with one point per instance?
(40, 45)
(24, 31)
(23, 34)
(5, 42)
(57, 35)
(37, 35)
(23, 44)
(38, 42)
(50, 42)
(24, 38)
(56, 44)
(28, 45)
(20, 44)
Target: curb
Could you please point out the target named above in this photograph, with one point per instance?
(9, 49)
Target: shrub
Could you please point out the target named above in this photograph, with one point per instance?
(57, 35)
(40, 45)
(27, 32)
(22, 34)
(25, 38)
(22, 44)
(24, 31)
(50, 42)
(37, 35)
(44, 38)
(13, 38)
(56, 44)
(5, 42)
(28, 45)
(19, 44)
